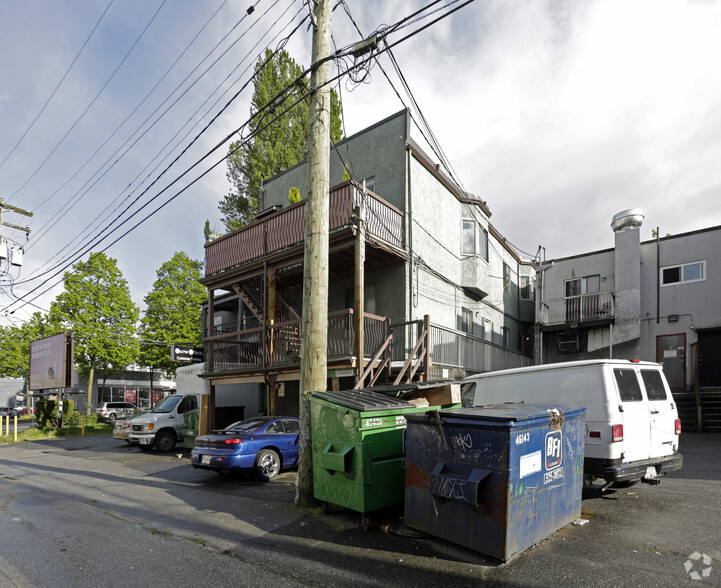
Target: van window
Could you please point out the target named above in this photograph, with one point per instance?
(628, 386)
(468, 394)
(654, 384)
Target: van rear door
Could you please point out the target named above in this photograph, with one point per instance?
(634, 414)
(662, 412)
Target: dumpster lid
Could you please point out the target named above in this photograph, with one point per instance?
(510, 411)
(363, 400)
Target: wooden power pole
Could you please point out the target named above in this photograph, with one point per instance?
(314, 346)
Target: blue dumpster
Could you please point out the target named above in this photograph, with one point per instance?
(495, 479)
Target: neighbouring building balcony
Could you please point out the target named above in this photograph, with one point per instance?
(285, 229)
(592, 309)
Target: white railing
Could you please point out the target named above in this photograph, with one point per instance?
(577, 309)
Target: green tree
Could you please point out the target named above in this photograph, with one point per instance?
(97, 307)
(275, 148)
(172, 314)
(15, 344)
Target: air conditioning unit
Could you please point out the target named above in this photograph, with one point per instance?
(3, 250)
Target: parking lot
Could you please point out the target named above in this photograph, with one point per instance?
(643, 536)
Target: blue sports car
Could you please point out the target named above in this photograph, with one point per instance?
(263, 445)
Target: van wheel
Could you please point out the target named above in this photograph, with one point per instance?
(267, 464)
(165, 441)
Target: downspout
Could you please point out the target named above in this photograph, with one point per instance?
(412, 303)
(658, 277)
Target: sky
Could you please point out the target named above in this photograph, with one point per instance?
(558, 114)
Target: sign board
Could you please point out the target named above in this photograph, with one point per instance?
(186, 353)
(51, 362)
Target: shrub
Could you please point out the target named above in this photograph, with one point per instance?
(46, 412)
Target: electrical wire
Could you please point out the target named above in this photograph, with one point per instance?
(198, 121)
(52, 94)
(82, 115)
(345, 51)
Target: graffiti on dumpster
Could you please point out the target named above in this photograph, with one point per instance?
(461, 442)
(452, 488)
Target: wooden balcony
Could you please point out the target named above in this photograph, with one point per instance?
(285, 229)
(589, 309)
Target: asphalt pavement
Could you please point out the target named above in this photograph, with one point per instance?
(89, 511)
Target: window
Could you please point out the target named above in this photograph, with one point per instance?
(628, 386)
(468, 237)
(474, 239)
(468, 394)
(466, 321)
(689, 272)
(506, 277)
(654, 384)
(528, 292)
(483, 243)
(586, 285)
(291, 425)
(370, 184)
(506, 337)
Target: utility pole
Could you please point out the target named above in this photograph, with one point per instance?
(3, 246)
(314, 343)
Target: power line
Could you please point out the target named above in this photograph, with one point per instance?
(52, 94)
(62, 140)
(117, 218)
(272, 103)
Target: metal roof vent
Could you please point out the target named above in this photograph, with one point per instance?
(627, 219)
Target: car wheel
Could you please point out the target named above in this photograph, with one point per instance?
(267, 464)
(165, 441)
(111, 416)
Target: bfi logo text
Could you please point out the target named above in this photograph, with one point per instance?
(553, 450)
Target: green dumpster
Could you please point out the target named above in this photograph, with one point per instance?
(358, 453)
(191, 420)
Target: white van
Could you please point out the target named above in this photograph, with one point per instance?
(162, 426)
(632, 425)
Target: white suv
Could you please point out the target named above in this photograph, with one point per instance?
(116, 410)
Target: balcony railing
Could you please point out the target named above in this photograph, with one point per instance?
(277, 346)
(577, 309)
(286, 228)
(455, 349)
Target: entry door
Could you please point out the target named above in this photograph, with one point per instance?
(671, 352)
(709, 358)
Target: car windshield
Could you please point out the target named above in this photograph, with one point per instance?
(247, 426)
(167, 404)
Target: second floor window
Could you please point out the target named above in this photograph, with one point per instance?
(580, 286)
(474, 239)
(689, 272)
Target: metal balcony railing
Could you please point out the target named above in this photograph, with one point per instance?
(577, 309)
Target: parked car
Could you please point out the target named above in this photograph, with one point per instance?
(260, 445)
(123, 427)
(7, 411)
(115, 410)
(21, 410)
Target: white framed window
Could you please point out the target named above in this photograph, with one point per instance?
(684, 273)
(474, 239)
(580, 286)
(466, 320)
